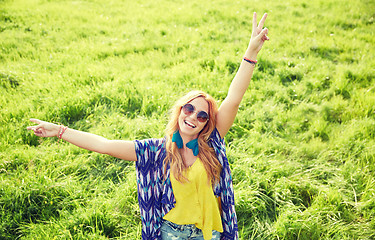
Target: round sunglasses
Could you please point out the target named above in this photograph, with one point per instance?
(189, 109)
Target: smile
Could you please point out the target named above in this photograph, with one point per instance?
(190, 124)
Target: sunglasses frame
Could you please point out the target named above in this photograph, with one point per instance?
(199, 114)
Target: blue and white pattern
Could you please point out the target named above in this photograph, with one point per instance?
(155, 196)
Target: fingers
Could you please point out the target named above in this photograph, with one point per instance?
(261, 23)
(38, 131)
(37, 128)
(34, 128)
(263, 34)
(258, 29)
(254, 21)
(34, 120)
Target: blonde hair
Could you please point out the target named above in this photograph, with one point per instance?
(206, 154)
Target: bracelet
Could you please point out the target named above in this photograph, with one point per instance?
(61, 132)
(252, 62)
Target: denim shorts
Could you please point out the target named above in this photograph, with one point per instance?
(172, 231)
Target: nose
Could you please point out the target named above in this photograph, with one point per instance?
(193, 115)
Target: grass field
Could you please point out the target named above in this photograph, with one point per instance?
(302, 149)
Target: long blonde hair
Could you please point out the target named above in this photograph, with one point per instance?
(206, 154)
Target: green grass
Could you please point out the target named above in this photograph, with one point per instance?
(301, 149)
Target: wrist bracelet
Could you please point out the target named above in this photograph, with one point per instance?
(61, 132)
(252, 62)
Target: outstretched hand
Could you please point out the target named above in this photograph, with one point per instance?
(258, 35)
(44, 129)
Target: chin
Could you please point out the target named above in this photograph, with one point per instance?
(187, 131)
(184, 129)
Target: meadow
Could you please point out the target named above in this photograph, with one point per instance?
(302, 149)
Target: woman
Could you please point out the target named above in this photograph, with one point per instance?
(184, 181)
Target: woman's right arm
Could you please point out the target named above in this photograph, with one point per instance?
(116, 148)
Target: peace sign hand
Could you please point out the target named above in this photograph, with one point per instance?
(258, 35)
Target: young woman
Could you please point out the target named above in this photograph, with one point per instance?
(184, 181)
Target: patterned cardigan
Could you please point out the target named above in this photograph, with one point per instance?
(155, 196)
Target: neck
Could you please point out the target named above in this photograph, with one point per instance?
(186, 141)
(187, 138)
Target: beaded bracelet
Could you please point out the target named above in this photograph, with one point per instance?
(253, 62)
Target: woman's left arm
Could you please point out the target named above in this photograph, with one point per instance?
(229, 107)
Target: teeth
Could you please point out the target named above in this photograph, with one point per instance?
(190, 124)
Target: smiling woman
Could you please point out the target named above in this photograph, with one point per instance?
(190, 159)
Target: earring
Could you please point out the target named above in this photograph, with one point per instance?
(193, 145)
(177, 139)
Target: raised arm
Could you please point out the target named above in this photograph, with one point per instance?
(229, 107)
(116, 148)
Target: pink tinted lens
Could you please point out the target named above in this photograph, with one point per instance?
(188, 109)
(202, 116)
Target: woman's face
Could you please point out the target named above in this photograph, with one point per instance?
(189, 124)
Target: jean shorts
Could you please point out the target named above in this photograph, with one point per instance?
(172, 231)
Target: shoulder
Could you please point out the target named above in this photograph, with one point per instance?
(151, 144)
(150, 150)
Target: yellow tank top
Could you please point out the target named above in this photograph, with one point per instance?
(195, 202)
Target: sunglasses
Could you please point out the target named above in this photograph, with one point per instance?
(189, 109)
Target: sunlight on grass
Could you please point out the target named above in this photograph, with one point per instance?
(301, 149)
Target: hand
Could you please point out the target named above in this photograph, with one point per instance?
(44, 129)
(258, 37)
